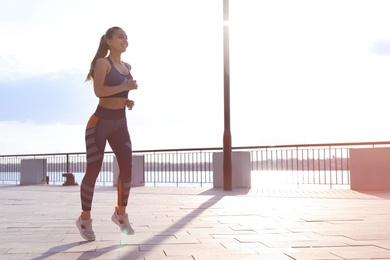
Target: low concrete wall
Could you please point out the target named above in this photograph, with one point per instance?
(241, 170)
(33, 171)
(138, 171)
(370, 169)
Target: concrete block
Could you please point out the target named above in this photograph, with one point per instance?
(138, 172)
(370, 168)
(33, 171)
(241, 170)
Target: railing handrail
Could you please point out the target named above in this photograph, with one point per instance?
(220, 148)
(314, 145)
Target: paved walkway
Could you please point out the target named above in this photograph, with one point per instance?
(37, 222)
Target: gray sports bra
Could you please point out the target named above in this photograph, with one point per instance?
(114, 78)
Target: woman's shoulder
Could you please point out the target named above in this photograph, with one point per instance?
(102, 61)
(127, 65)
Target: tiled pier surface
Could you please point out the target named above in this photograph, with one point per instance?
(37, 222)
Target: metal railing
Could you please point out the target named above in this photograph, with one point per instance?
(323, 164)
(179, 166)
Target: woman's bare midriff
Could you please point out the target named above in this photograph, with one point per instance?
(112, 103)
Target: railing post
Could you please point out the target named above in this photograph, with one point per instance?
(67, 163)
(330, 166)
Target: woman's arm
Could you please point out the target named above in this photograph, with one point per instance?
(102, 68)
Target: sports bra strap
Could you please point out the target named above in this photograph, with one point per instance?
(108, 58)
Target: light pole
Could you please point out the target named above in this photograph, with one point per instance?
(227, 137)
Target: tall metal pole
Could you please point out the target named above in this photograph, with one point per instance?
(227, 137)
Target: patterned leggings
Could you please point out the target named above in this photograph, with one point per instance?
(107, 125)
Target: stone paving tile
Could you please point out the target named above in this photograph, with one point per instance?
(153, 253)
(169, 257)
(313, 254)
(268, 256)
(4, 249)
(368, 252)
(243, 246)
(15, 256)
(360, 236)
(323, 241)
(189, 249)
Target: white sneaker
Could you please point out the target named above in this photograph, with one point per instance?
(123, 223)
(85, 228)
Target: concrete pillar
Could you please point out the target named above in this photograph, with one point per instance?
(138, 178)
(241, 170)
(33, 171)
(370, 168)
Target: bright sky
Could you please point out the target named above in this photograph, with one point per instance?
(302, 71)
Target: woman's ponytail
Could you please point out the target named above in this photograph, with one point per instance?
(101, 53)
(102, 50)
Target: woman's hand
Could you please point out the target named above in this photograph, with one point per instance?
(129, 104)
(131, 84)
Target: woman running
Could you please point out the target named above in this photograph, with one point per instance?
(112, 82)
